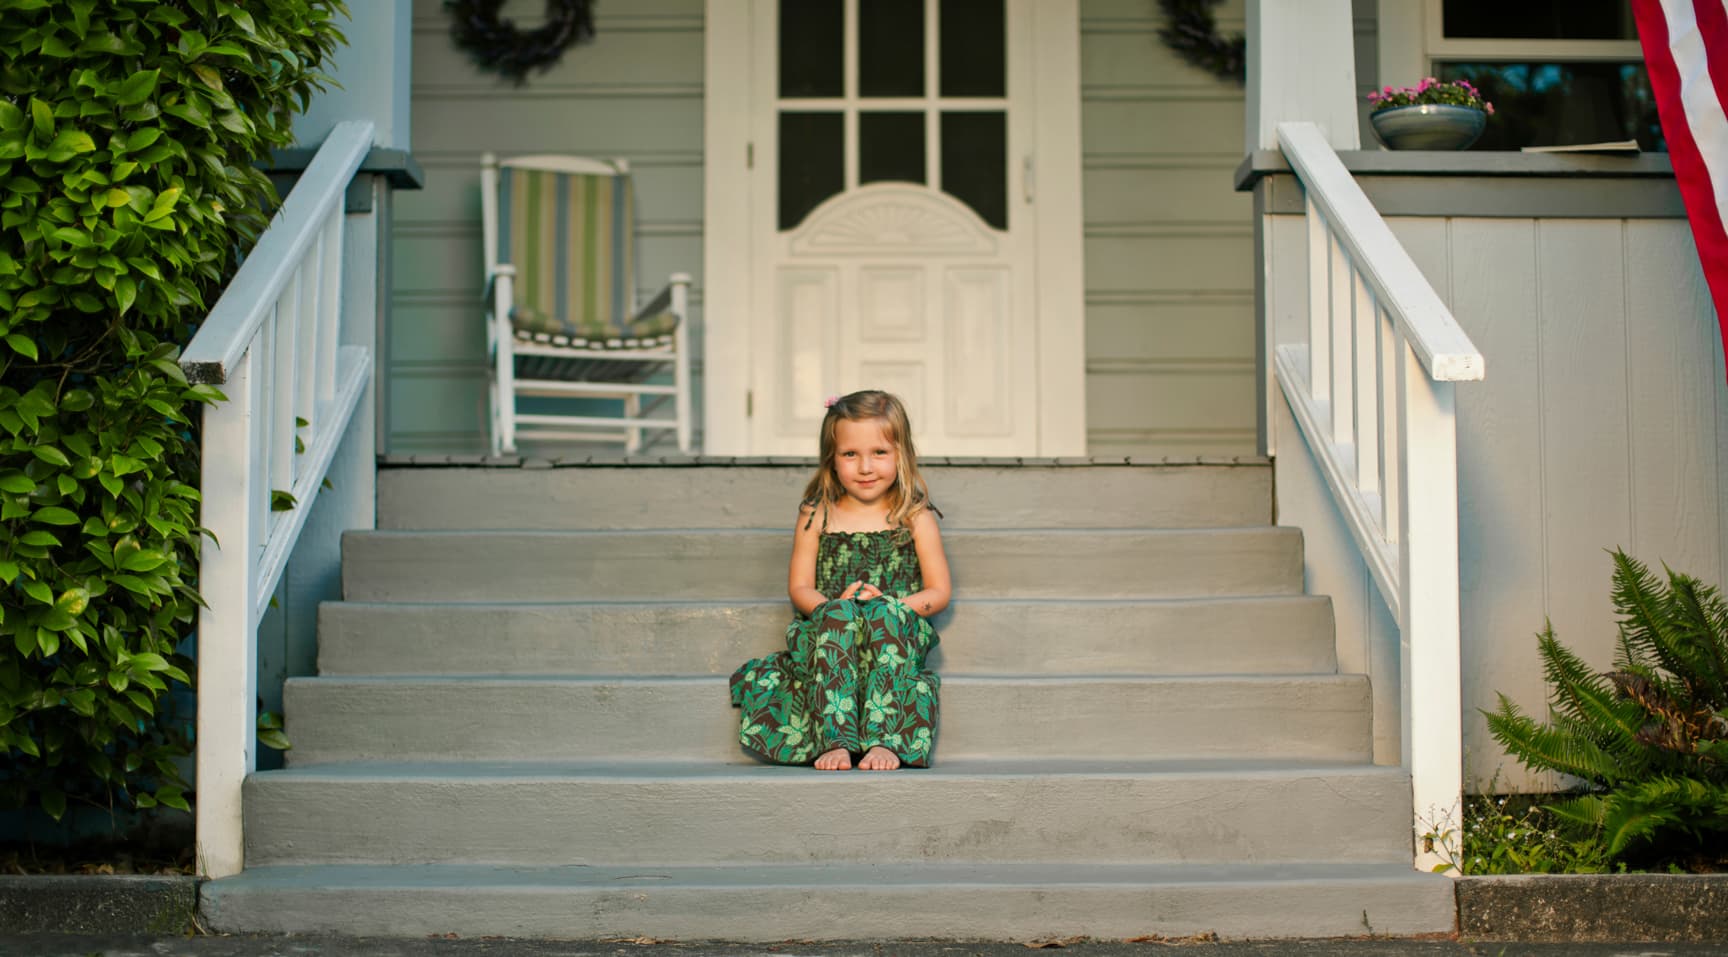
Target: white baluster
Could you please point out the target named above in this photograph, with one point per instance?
(1365, 431)
(1338, 331)
(1319, 302)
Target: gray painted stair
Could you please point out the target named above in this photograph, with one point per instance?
(1279, 635)
(984, 811)
(751, 563)
(520, 726)
(1322, 717)
(765, 497)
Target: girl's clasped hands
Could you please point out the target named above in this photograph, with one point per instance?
(861, 591)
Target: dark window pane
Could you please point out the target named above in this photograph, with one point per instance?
(975, 163)
(812, 167)
(1556, 104)
(890, 48)
(891, 147)
(1539, 19)
(812, 34)
(974, 48)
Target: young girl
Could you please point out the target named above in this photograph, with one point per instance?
(867, 573)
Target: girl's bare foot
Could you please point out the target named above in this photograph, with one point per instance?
(838, 759)
(879, 758)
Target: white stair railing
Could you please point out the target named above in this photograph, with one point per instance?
(273, 342)
(1372, 393)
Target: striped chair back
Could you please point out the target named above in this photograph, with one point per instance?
(571, 237)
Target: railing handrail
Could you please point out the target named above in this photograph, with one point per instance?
(1371, 383)
(1434, 335)
(235, 318)
(293, 350)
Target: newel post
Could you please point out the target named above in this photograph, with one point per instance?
(1428, 608)
(227, 652)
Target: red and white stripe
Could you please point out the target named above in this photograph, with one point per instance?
(1686, 51)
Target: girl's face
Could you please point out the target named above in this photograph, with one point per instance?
(865, 461)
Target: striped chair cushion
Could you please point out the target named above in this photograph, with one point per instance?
(571, 237)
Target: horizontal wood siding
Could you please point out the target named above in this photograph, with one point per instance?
(1600, 424)
(1169, 245)
(1170, 347)
(635, 92)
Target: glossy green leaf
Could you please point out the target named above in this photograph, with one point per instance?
(55, 515)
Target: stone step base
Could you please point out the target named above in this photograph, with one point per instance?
(837, 902)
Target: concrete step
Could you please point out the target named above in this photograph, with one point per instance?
(651, 814)
(1312, 717)
(1028, 496)
(736, 564)
(1285, 635)
(825, 901)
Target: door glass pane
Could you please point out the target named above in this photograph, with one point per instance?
(891, 147)
(1556, 104)
(890, 47)
(975, 163)
(1539, 19)
(974, 48)
(812, 33)
(812, 167)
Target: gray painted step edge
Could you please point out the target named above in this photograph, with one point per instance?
(827, 902)
(708, 814)
(767, 497)
(1314, 717)
(734, 564)
(1283, 635)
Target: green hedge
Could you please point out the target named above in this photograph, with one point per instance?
(128, 132)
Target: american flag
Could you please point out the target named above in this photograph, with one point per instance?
(1686, 51)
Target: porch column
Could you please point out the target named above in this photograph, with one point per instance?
(1301, 66)
(374, 72)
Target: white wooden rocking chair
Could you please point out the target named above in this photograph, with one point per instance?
(562, 323)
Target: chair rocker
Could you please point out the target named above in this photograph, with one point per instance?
(561, 289)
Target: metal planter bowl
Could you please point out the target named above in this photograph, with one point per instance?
(1428, 126)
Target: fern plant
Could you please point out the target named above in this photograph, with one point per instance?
(1649, 739)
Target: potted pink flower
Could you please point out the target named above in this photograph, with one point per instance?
(1433, 115)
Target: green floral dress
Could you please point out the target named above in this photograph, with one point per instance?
(852, 675)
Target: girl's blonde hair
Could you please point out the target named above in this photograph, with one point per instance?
(908, 496)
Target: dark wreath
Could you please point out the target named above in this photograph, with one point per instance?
(498, 45)
(1191, 30)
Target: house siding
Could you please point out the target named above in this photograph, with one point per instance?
(1168, 247)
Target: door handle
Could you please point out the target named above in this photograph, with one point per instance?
(1026, 177)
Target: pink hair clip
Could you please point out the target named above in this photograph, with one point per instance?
(828, 403)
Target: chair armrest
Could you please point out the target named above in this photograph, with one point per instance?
(656, 307)
(667, 301)
(492, 274)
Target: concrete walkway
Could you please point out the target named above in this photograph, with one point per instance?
(314, 946)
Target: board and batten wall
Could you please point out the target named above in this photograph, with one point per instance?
(1603, 422)
(1168, 243)
(635, 93)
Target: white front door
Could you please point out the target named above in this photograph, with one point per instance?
(892, 234)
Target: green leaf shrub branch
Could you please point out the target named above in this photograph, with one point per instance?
(128, 134)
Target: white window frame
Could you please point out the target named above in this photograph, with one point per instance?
(1412, 41)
